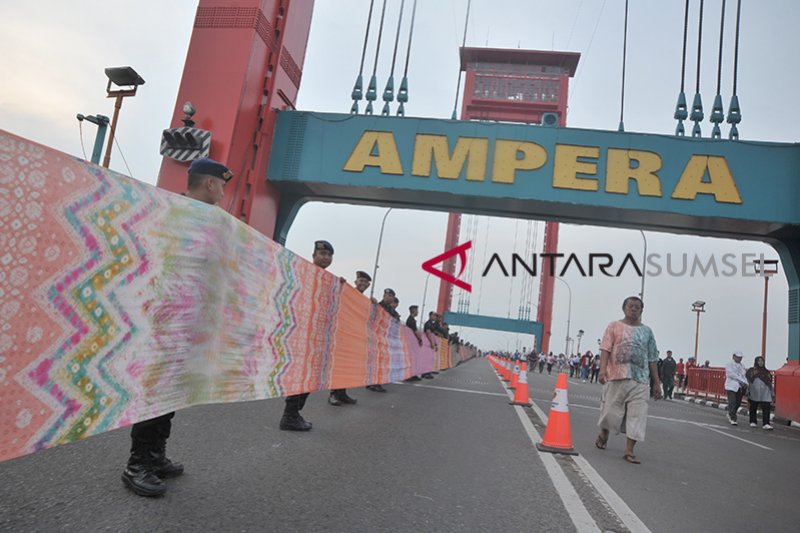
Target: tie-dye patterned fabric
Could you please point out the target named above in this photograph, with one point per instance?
(120, 302)
(632, 349)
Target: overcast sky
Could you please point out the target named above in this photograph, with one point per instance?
(55, 52)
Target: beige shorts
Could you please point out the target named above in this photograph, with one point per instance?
(623, 408)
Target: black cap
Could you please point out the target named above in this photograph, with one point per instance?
(390, 291)
(211, 168)
(323, 245)
(362, 274)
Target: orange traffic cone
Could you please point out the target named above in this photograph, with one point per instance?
(514, 376)
(557, 435)
(521, 392)
(506, 373)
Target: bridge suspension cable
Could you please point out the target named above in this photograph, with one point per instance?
(681, 112)
(717, 111)
(624, 60)
(734, 112)
(485, 249)
(402, 93)
(697, 106)
(511, 286)
(358, 88)
(388, 92)
(372, 89)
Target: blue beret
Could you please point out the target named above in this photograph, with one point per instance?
(323, 245)
(210, 168)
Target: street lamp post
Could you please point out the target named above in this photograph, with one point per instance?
(378, 255)
(579, 335)
(569, 311)
(644, 264)
(121, 77)
(425, 295)
(765, 268)
(698, 307)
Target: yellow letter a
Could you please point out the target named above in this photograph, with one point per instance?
(385, 157)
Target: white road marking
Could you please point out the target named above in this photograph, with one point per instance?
(731, 436)
(460, 390)
(580, 516)
(710, 427)
(577, 512)
(617, 504)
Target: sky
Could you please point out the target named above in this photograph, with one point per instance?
(55, 53)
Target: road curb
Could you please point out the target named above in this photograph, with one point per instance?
(742, 410)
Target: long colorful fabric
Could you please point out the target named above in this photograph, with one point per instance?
(120, 302)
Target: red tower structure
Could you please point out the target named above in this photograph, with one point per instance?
(244, 64)
(512, 85)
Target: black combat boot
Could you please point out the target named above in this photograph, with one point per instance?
(344, 398)
(161, 465)
(139, 477)
(294, 423)
(333, 399)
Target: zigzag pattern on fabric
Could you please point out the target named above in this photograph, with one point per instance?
(120, 302)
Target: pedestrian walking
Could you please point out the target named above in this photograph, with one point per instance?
(760, 393)
(595, 369)
(148, 464)
(735, 385)
(680, 370)
(628, 356)
(586, 361)
(668, 375)
(691, 363)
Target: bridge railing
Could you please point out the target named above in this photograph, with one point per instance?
(709, 383)
(706, 382)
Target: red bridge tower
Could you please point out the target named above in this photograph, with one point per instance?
(512, 85)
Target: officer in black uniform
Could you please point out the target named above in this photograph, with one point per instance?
(291, 419)
(148, 464)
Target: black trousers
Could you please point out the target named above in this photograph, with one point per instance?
(734, 402)
(669, 386)
(294, 404)
(151, 434)
(766, 408)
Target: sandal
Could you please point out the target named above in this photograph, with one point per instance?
(632, 459)
(601, 442)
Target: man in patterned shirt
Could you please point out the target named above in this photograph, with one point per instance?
(628, 359)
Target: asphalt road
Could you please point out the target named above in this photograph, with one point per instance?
(698, 472)
(447, 455)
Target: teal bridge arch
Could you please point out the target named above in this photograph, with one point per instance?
(733, 189)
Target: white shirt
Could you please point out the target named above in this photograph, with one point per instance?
(734, 376)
